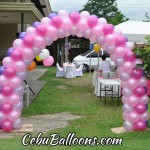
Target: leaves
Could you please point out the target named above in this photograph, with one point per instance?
(144, 55)
(107, 9)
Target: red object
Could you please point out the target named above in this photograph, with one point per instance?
(148, 87)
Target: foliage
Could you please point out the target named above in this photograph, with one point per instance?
(144, 54)
(107, 9)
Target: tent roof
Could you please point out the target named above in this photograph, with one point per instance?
(135, 31)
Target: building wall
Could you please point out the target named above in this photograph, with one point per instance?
(7, 36)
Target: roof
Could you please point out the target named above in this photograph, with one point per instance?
(135, 31)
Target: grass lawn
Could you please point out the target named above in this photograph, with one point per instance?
(76, 96)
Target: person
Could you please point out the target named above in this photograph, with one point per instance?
(104, 65)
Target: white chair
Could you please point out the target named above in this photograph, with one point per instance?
(59, 71)
(79, 72)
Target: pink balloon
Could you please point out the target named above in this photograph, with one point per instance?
(140, 125)
(119, 51)
(139, 91)
(2, 116)
(41, 30)
(84, 14)
(125, 115)
(129, 45)
(15, 82)
(87, 33)
(39, 42)
(10, 72)
(56, 22)
(61, 33)
(110, 39)
(128, 125)
(66, 24)
(117, 32)
(19, 66)
(82, 24)
(97, 30)
(132, 100)
(16, 55)
(126, 92)
(36, 51)
(31, 31)
(108, 29)
(19, 107)
(28, 41)
(92, 21)
(17, 124)
(75, 17)
(144, 116)
(49, 61)
(19, 90)
(14, 99)
(132, 83)
(110, 49)
(46, 21)
(127, 108)
(102, 21)
(100, 40)
(7, 125)
(144, 99)
(128, 66)
(7, 90)
(113, 57)
(18, 44)
(7, 62)
(124, 76)
(124, 99)
(63, 13)
(140, 108)
(2, 98)
(28, 54)
(123, 84)
(13, 115)
(49, 41)
(52, 32)
(120, 41)
(133, 117)
(6, 108)
(137, 73)
(74, 30)
(129, 56)
(3, 80)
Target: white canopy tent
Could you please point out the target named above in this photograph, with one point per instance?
(135, 31)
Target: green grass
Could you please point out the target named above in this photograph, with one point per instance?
(78, 98)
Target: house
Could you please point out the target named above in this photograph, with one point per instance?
(16, 16)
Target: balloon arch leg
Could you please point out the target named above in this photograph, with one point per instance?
(97, 30)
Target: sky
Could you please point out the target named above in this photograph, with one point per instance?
(133, 9)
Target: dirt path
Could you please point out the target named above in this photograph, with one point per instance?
(44, 123)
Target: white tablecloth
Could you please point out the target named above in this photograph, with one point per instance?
(109, 82)
(69, 70)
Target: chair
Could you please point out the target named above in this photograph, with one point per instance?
(79, 72)
(59, 71)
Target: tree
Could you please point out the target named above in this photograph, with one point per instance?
(147, 17)
(107, 9)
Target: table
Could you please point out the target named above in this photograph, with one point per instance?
(101, 84)
(108, 87)
(69, 70)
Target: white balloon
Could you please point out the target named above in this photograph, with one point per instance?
(44, 54)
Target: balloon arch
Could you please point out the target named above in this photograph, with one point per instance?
(97, 30)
